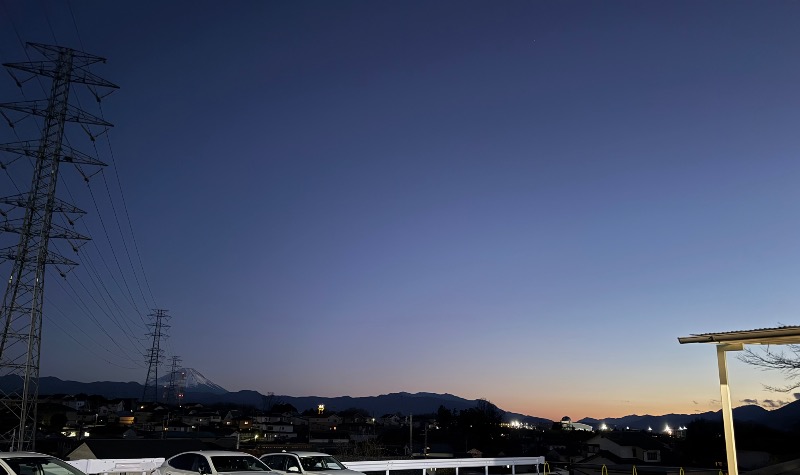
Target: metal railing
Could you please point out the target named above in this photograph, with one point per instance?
(97, 466)
(146, 466)
(433, 464)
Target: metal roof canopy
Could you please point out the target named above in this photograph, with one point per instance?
(735, 341)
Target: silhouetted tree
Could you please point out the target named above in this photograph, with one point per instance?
(283, 407)
(787, 362)
(444, 417)
(58, 421)
(490, 412)
(705, 442)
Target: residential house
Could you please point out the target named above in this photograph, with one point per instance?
(271, 418)
(201, 418)
(112, 407)
(390, 420)
(231, 415)
(76, 402)
(324, 422)
(278, 431)
(633, 447)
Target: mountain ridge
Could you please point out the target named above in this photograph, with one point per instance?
(784, 418)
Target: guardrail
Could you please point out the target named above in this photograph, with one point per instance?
(146, 466)
(433, 464)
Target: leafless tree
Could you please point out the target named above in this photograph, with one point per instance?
(785, 361)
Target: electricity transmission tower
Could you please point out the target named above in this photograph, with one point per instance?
(155, 355)
(173, 393)
(21, 311)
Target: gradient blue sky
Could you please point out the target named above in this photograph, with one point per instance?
(522, 201)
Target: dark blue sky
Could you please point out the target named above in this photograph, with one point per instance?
(523, 201)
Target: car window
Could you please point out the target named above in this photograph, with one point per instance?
(291, 463)
(238, 463)
(201, 465)
(40, 466)
(275, 462)
(320, 462)
(332, 464)
(184, 462)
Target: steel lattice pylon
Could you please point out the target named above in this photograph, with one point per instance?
(173, 393)
(21, 309)
(155, 355)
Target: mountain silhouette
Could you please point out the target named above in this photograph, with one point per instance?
(203, 391)
(784, 418)
(192, 381)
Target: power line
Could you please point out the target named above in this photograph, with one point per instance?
(78, 299)
(75, 24)
(125, 208)
(81, 330)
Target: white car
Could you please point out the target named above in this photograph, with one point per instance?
(212, 462)
(32, 463)
(312, 463)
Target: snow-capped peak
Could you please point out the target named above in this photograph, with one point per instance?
(192, 380)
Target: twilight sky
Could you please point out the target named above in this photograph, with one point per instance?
(522, 201)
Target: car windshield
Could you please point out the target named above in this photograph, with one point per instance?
(238, 463)
(316, 463)
(40, 466)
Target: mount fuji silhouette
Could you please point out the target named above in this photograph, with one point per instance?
(192, 381)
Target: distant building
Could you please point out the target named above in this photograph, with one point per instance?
(567, 424)
(390, 420)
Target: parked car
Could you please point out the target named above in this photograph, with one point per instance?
(306, 462)
(33, 463)
(211, 462)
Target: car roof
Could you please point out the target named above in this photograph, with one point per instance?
(23, 454)
(213, 453)
(303, 453)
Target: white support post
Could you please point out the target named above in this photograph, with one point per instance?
(513, 470)
(486, 470)
(727, 410)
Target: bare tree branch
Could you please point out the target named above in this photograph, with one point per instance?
(786, 362)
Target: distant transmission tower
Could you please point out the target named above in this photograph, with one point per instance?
(181, 386)
(172, 394)
(21, 311)
(155, 355)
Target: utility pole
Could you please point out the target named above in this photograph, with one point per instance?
(425, 446)
(155, 355)
(411, 435)
(21, 311)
